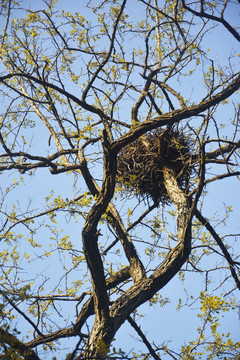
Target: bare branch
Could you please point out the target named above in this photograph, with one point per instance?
(220, 243)
(220, 19)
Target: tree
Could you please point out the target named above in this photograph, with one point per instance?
(106, 99)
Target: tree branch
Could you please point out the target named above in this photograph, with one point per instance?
(203, 14)
(17, 345)
(142, 292)
(218, 240)
(86, 311)
(143, 337)
(177, 115)
(137, 268)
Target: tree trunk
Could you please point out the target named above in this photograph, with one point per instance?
(104, 331)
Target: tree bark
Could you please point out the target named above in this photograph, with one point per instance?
(14, 343)
(143, 290)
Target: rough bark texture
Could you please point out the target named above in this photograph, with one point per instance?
(141, 291)
(14, 343)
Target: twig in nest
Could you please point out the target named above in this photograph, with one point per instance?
(141, 163)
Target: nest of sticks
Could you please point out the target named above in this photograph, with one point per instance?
(140, 164)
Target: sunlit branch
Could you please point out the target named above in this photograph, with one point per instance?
(22, 313)
(177, 115)
(104, 62)
(86, 311)
(64, 92)
(115, 221)
(16, 221)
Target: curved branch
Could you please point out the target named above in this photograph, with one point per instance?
(144, 290)
(22, 313)
(203, 14)
(177, 115)
(137, 268)
(218, 240)
(161, 120)
(104, 62)
(86, 311)
(17, 345)
(90, 233)
(143, 337)
(228, 148)
(83, 104)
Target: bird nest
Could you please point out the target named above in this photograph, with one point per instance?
(140, 164)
